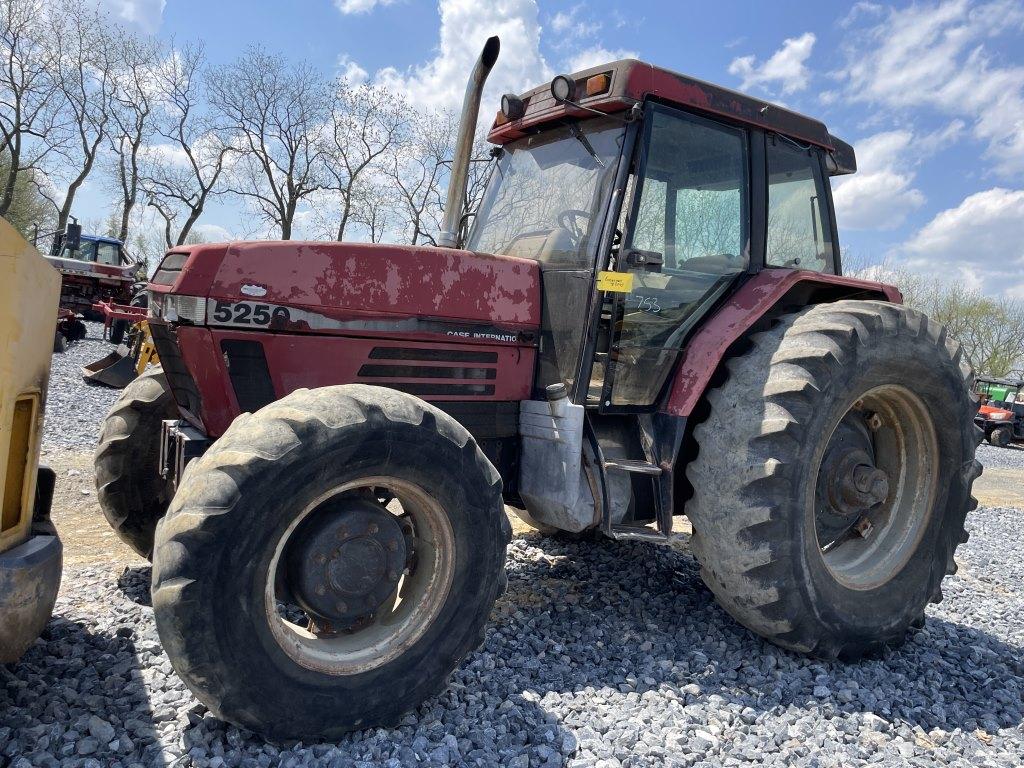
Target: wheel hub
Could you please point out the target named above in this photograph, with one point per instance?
(855, 484)
(849, 483)
(345, 562)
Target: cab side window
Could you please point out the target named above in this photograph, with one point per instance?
(106, 253)
(799, 235)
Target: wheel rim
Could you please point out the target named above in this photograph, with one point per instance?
(875, 487)
(404, 614)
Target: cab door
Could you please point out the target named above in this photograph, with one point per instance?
(686, 241)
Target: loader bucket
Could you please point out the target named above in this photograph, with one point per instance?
(115, 370)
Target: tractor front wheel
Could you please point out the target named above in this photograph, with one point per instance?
(834, 475)
(329, 561)
(131, 492)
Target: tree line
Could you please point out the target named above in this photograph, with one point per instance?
(990, 328)
(164, 129)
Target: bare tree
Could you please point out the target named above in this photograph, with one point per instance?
(31, 121)
(181, 177)
(374, 209)
(990, 329)
(83, 72)
(366, 123)
(418, 171)
(135, 94)
(276, 113)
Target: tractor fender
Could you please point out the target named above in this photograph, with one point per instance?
(741, 312)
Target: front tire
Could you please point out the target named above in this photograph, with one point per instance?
(240, 547)
(834, 475)
(1000, 437)
(130, 490)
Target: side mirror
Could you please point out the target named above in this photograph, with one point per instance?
(73, 237)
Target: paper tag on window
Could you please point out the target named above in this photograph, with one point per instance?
(616, 282)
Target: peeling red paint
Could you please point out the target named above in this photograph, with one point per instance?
(354, 279)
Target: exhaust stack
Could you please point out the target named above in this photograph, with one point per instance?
(449, 235)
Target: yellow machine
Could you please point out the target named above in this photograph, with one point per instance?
(30, 551)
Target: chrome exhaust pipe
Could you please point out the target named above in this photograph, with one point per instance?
(449, 235)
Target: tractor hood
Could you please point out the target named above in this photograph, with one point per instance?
(997, 414)
(346, 286)
(122, 273)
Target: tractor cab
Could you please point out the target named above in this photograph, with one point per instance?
(96, 249)
(1001, 414)
(646, 197)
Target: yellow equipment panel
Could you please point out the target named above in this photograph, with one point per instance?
(29, 292)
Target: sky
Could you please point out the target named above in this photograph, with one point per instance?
(931, 94)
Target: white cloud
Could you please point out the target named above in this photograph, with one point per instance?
(575, 23)
(143, 15)
(171, 154)
(214, 233)
(978, 242)
(465, 25)
(591, 57)
(359, 6)
(935, 56)
(786, 67)
(881, 194)
(859, 10)
(351, 70)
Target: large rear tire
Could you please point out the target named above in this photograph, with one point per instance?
(834, 475)
(131, 492)
(241, 543)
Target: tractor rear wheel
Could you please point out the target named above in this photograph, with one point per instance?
(834, 475)
(1000, 437)
(131, 492)
(329, 561)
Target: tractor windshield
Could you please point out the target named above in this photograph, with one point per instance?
(546, 194)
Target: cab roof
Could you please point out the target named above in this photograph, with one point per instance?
(102, 239)
(631, 81)
(1014, 383)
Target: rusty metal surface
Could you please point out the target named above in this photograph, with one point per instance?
(29, 580)
(755, 298)
(353, 280)
(633, 81)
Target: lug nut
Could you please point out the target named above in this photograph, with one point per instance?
(392, 545)
(863, 528)
(874, 422)
(392, 576)
(372, 529)
(341, 607)
(320, 559)
(321, 590)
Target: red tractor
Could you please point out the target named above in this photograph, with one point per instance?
(645, 319)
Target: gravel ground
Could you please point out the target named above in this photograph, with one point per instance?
(1011, 457)
(74, 409)
(598, 655)
(603, 655)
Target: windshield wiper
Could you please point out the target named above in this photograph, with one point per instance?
(574, 129)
